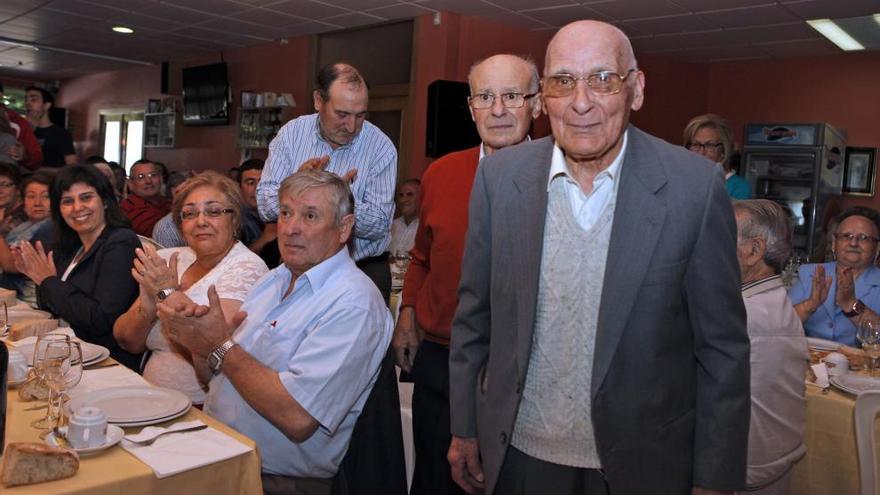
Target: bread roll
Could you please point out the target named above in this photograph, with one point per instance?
(8, 296)
(27, 463)
(33, 389)
(31, 327)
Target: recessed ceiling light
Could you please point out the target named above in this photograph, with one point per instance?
(835, 34)
(123, 29)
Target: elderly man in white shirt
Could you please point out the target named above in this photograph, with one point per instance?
(779, 353)
(294, 368)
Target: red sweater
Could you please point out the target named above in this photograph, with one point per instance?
(431, 283)
(33, 153)
(144, 214)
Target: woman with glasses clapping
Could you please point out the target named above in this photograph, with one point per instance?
(207, 210)
(831, 298)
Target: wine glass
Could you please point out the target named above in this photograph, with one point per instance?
(39, 368)
(869, 335)
(62, 370)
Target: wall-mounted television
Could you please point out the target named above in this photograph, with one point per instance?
(206, 95)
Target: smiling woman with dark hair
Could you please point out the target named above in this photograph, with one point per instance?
(87, 279)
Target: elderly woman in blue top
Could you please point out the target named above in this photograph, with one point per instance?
(831, 298)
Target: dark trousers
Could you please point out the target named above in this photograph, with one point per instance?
(289, 485)
(522, 474)
(376, 267)
(430, 410)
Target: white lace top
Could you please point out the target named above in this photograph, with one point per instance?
(233, 276)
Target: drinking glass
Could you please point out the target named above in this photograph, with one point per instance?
(4, 323)
(869, 335)
(62, 370)
(39, 368)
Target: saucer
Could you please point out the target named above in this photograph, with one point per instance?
(114, 435)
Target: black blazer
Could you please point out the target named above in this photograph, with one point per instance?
(98, 290)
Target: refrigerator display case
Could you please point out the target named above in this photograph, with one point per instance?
(801, 167)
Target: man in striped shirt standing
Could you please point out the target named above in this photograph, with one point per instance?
(339, 139)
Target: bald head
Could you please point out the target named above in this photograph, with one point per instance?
(500, 125)
(594, 34)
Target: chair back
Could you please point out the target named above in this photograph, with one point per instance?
(867, 407)
(374, 463)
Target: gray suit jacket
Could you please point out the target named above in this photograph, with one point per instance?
(670, 384)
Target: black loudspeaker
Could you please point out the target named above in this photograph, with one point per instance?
(450, 127)
(163, 83)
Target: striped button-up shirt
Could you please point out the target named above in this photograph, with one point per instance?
(370, 152)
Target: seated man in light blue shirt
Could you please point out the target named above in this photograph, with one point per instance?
(293, 369)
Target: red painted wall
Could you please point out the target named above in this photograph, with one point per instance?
(267, 67)
(841, 90)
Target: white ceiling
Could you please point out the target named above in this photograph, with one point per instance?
(689, 30)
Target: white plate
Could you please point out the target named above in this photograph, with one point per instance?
(156, 421)
(855, 384)
(114, 435)
(822, 344)
(14, 383)
(92, 353)
(129, 405)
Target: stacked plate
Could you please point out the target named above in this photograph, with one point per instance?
(822, 344)
(92, 353)
(134, 406)
(855, 384)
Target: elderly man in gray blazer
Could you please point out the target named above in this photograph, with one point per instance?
(600, 342)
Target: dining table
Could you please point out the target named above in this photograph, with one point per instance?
(831, 463)
(115, 471)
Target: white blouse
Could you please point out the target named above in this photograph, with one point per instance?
(233, 277)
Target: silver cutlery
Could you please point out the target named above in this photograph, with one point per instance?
(149, 441)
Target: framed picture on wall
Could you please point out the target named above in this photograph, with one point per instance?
(860, 171)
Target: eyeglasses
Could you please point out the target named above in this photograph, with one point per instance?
(700, 147)
(210, 212)
(481, 101)
(7, 185)
(849, 237)
(602, 83)
(141, 177)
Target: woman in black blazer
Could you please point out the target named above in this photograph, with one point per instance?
(87, 279)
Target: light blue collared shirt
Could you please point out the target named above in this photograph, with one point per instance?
(326, 340)
(587, 207)
(828, 321)
(370, 152)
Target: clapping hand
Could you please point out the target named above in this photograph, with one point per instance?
(845, 295)
(321, 162)
(153, 273)
(819, 288)
(198, 328)
(33, 262)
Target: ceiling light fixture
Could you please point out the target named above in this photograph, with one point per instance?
(835, 34)
(877, 18)
(123, 30)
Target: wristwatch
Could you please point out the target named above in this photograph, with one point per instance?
(164, 293)
(857, 308)
(215, 359)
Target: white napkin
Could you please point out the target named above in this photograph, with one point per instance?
(175, 453)
(821, 372)
(101, 378)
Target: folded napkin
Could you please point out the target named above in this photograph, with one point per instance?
(821, 372)
(32, 340)
(109, 377)
(178, 452)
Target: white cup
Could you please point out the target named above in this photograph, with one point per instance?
(837, 364)
(18, 367)
(88, 428)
